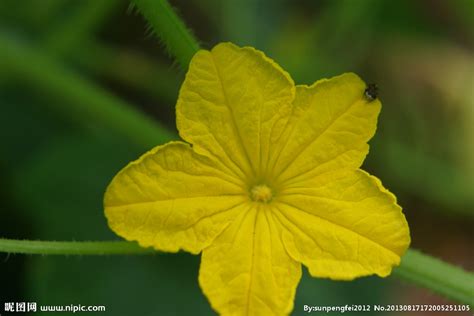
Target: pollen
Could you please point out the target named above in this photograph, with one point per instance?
(261, 193)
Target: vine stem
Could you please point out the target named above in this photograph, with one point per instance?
(416, 268)
(166, 24)
(438, 276)
(36, 247)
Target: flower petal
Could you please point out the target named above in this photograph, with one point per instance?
(171, 199)
(247, 271)
(343, 225)
(329, 129)
(233, 105)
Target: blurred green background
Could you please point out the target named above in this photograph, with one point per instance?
(61, 59)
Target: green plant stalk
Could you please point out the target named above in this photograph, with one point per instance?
(82, 101)
(416, 268)
(72, 248)
(178, 40)
(438, 276)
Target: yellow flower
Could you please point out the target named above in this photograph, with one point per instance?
(270, 180)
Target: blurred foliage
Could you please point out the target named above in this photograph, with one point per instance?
(76, 58)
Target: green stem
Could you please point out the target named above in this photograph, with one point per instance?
(179, 41)
(82, 101)
(438, 276)
(417, 268)
(72, 247)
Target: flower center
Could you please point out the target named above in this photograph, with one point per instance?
(261, 193)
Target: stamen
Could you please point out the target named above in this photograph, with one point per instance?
(261, 193)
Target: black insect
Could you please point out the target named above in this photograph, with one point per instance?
(371, 92)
